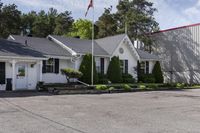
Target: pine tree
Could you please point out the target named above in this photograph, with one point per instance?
(114, 71)
(85, 68)
(157, 72)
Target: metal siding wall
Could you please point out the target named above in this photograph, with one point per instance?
(179, 50)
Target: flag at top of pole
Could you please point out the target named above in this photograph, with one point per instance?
(91, 5)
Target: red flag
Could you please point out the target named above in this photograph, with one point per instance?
(89, 6)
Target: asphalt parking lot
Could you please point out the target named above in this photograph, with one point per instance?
(142, 112)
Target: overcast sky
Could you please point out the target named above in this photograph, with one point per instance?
(171, 13)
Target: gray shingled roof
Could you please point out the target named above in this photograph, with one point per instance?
(146, 56)
(42, 45)
(81, 46)
(109, 44)
(10, 48)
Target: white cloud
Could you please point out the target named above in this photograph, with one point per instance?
(167, 16)
(192, 13)
(78, 7)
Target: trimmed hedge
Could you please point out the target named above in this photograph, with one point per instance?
(71, 73)
(101, 87)
(157, 72)
(128, 78)
(114, 71)
(86, 67)
(147, 78)
(103, 79)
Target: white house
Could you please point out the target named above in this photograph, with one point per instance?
(20, 63)
(41, 59)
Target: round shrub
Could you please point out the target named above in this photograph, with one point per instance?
(147, 78)
(71, 73)
(111, 88)
(101, 87)
(126, 87)
(128, 78)
(153, 86)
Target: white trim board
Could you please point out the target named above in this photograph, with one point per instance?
(63, 45)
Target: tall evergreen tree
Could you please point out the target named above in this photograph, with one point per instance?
(52, 14)
(27, 21)
(138, 15)
(9, 20)
(41, 26)
(64, 23)
(85, 68)
(107, 24)
(114, 71)
(157, 72)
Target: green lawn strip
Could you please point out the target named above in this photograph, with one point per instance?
(147, 86)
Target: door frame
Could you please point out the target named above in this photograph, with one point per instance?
(26, 76)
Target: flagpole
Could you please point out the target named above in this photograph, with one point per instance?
(92, 73)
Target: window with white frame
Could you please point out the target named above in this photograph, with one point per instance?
(144, 67)
(98, 66)
(50, 65)
(124, 66)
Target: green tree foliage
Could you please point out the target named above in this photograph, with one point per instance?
(36, 24)
(114, 71)
(71, 73)
(157, 72)
(27, 21)
(41, 25)
(9, 20)
(139, 17)
(63, 23)
(52, 14)
(82, 28)
(107, 24)
(86, 67)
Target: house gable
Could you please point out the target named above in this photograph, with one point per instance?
(128, 47)
(127, 53)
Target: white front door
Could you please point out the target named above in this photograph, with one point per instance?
(21, 76)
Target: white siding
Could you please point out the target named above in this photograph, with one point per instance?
(127, 55)
(58, 78)
(32, 76)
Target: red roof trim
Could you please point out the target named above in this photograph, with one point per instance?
(176, 28)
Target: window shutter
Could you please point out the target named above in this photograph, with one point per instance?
(57, 66)
(44, 67)
(2, 72)
(126, 66)
(102, 65)
(147, 67)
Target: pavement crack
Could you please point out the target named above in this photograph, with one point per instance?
(40, 116)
